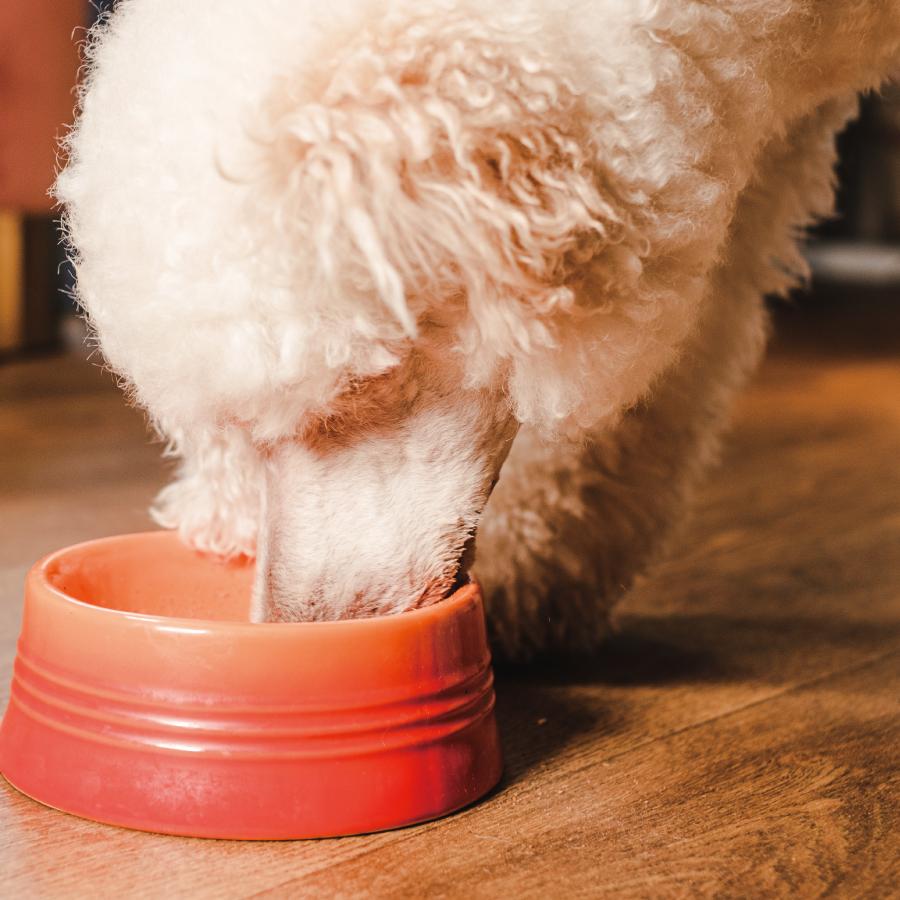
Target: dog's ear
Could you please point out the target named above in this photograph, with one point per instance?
(448, 170)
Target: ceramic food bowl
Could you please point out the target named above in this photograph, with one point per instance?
(142, 697)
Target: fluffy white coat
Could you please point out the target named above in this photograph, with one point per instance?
(288, 216)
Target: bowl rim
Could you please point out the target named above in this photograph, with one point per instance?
(38, 577)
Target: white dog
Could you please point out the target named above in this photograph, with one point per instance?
(355, 256)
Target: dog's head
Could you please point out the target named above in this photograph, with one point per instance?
(373, 265)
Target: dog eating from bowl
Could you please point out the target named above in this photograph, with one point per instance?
(402, 281)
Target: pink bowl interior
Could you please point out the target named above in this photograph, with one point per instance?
(160, 577)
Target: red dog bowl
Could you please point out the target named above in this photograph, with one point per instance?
(142, 697)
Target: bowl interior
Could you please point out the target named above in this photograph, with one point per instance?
(153, 574)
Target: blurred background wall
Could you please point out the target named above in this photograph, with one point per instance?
(38, 66)
(853, 257)
(861, 245)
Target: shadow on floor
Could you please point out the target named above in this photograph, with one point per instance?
(552, 703)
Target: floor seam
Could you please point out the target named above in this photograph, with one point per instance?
(873, 660)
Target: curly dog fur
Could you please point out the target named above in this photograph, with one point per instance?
(354, 257)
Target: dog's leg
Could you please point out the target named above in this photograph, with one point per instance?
(569, 527)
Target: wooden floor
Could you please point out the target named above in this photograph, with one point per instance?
(739, 737)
